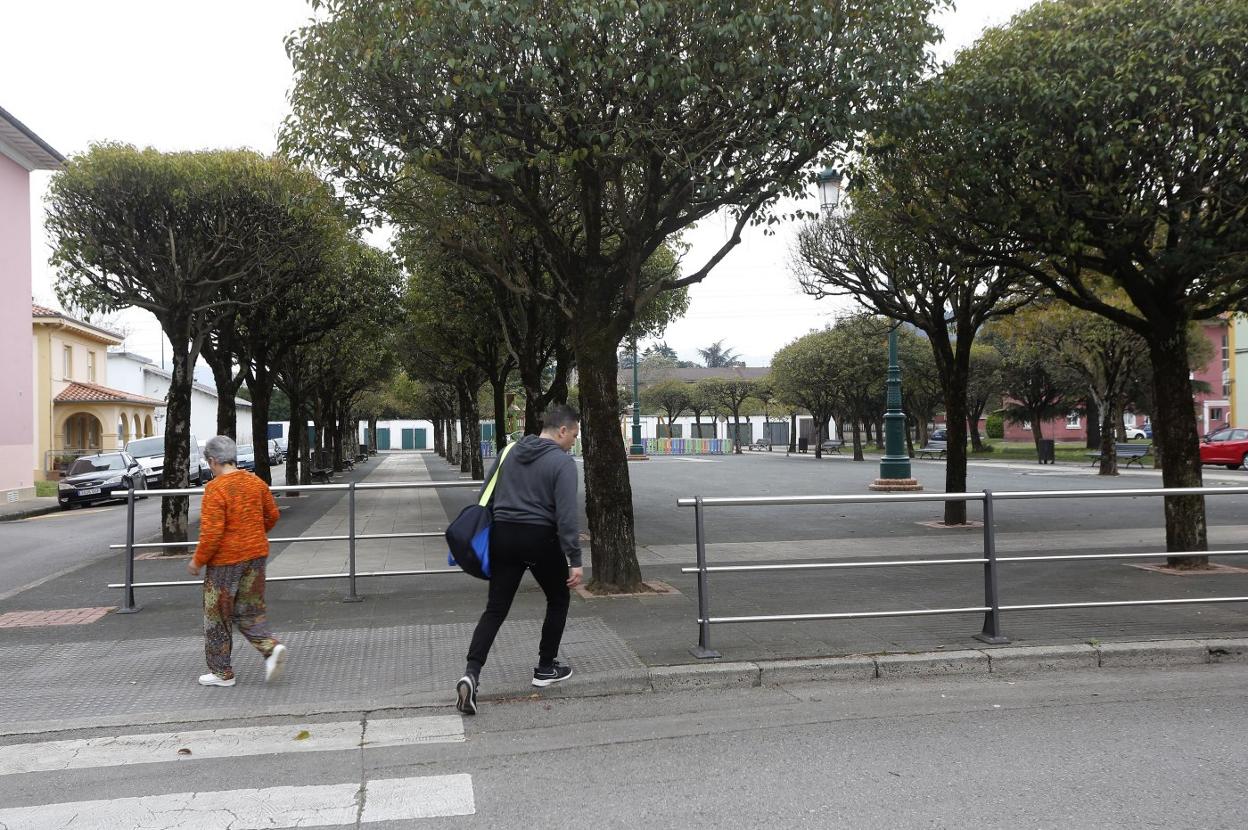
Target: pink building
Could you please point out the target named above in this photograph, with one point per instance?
(21, 151)
(1213, 407)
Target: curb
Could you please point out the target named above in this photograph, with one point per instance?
(27, 513)
(1012, 661)
(1003, 661)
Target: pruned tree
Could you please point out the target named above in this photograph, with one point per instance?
(806, 372)
(176, 234)
(731, 395)
(873, 254)
(1090, 140)
(669, 397)
(608, 126)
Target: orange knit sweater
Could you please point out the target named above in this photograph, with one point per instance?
(237, 513)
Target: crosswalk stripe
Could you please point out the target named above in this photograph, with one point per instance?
(432, 796)
(117, 750)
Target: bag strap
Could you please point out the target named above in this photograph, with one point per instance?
(488, 492)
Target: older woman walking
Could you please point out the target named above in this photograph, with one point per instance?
(237, 513)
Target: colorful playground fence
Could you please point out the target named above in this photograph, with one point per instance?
(688, 446)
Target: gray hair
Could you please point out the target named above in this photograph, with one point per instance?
(221, 449)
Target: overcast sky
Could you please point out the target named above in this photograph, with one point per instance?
(182, 75)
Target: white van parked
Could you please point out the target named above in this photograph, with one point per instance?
(150, 453)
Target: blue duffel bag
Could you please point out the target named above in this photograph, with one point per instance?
(468, 537)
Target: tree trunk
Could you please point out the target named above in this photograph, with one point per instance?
(857, 430)
(470, 417)
(499, 388)
(972, 426)
(792, 432)
(910, 421)
(175, 510)
(1095, 417)
(1176, 435)
(452, 441)
(608, 492)
(1036, 435)
(956, 381)
(1109, 453)
(261, 388)
(227, 388)
(736, 425)
(295, 439)
(439, 437)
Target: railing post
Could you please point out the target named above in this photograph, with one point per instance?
(351, 596)
(703, 649)
(992, 617)
(127, 600)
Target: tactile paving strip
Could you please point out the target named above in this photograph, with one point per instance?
(84, 680)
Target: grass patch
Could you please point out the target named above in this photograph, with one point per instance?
(45, 488)
(1026, 451)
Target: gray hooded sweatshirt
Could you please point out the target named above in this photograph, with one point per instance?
(538, 487)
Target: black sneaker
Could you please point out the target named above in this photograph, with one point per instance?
(466, 695)
(546, 675)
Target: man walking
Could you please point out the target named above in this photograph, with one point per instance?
(237, 513)
(534, 529)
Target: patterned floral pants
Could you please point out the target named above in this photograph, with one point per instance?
(234, 595)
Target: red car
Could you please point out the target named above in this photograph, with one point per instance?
(1225, 446)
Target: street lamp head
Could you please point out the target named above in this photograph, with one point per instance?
(831, 186)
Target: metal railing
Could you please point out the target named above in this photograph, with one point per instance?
(991, 607)
(129, 606)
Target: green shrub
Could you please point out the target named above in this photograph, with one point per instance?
(995, 425)
(45, 488)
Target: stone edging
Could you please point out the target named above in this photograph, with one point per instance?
(1012, 661)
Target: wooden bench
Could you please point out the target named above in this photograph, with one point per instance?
(1133, 453)
(323, 474)
(832, 445)
(759, 446)
(933, 450)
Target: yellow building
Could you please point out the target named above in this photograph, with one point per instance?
(76, 413)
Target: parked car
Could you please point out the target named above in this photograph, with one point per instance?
(277, 450)
(101, 477)
(150, 453)
(246, 457)
(1225, 446)
(1145, 431)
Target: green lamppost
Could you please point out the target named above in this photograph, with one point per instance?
(895, 465)
(636, 452)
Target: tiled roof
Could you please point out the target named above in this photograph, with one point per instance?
(90, 329)
(94, 393)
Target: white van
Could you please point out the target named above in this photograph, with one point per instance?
(150, 453)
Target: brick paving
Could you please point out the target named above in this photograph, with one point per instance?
(63, 616)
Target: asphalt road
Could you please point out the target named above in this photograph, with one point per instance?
(1106, 749)
(659, 482)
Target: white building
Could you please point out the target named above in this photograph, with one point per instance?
(134, 373)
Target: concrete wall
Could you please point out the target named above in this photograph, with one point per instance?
(17, 434)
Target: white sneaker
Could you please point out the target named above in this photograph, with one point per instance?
(211, 679)
(274, 663)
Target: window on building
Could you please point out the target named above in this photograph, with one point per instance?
(91, 367)
(1072, 420)
(67, 363)
(1215, 414)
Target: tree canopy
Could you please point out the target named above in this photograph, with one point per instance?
(1099, 138)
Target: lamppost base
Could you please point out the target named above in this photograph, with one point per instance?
(895, 485)
(639, 457)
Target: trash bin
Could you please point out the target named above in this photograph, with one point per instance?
(1048, 451)
(803, 444)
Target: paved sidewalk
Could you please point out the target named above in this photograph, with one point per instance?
(403, 644)
(26, 508)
